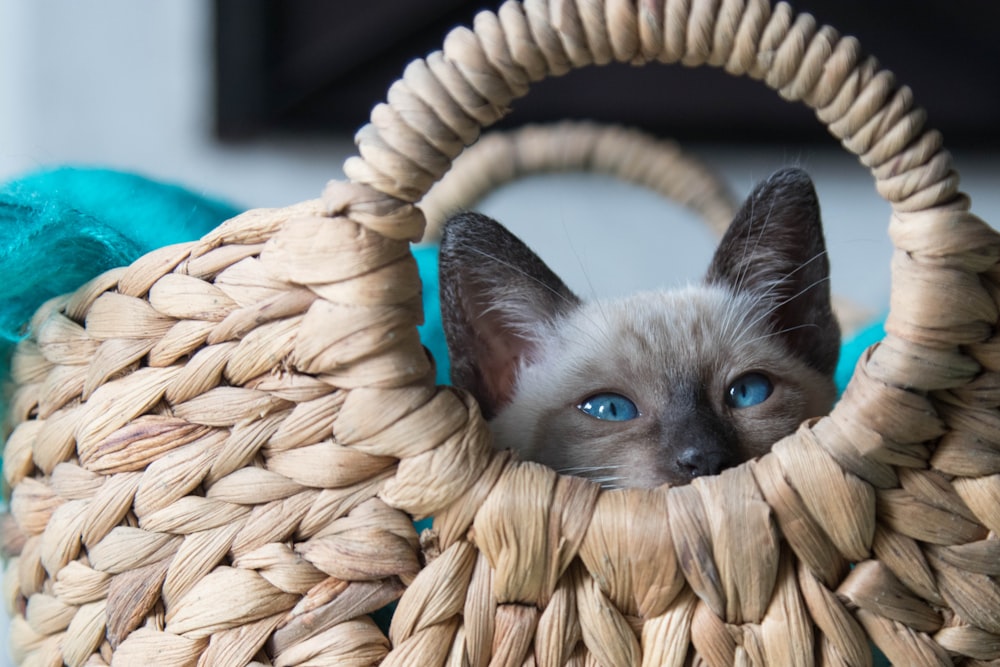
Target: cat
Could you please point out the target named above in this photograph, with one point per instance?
(658, 387)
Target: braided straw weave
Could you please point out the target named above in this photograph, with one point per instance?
(218, 449)
(628, 154)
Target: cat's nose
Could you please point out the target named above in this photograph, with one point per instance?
(697, 461)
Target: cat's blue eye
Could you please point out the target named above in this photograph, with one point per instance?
(608, 406)
(749, 390)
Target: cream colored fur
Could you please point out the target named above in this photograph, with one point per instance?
(664, 350)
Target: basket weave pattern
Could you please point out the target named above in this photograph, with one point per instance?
(218, 449)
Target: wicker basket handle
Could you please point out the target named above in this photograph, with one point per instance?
(625, 153)
(442, 103)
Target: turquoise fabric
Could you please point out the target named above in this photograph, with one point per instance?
(431, 333)
(852, 349)
(61, 227)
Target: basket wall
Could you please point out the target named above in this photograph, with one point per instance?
(217, 450)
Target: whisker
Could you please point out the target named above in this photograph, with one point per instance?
(765, 294)
(733, 317)
(777, 283)
(783, 331)
(788, 300)
(602, 475)
(535, 280)
(522, 272)
(595, 298)
(579, 261)
(744, 264)
(590, 468)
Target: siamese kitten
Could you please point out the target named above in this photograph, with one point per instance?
(659, 387)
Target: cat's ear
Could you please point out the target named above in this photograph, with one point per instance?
(774, 250)
(496, 298)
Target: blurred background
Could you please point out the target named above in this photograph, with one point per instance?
(257, 101)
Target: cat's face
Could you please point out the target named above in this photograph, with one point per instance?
(658, 387)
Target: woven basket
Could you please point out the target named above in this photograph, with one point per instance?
(218, 449)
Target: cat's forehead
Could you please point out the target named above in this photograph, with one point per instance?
(691, 328)
(699, 311)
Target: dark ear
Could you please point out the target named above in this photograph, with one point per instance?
(774, 249)
(495, 296)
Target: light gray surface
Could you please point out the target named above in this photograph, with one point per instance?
(127, 85)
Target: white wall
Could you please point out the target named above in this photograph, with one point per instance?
(128, 85)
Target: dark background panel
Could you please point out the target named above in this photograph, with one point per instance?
(316, 67)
